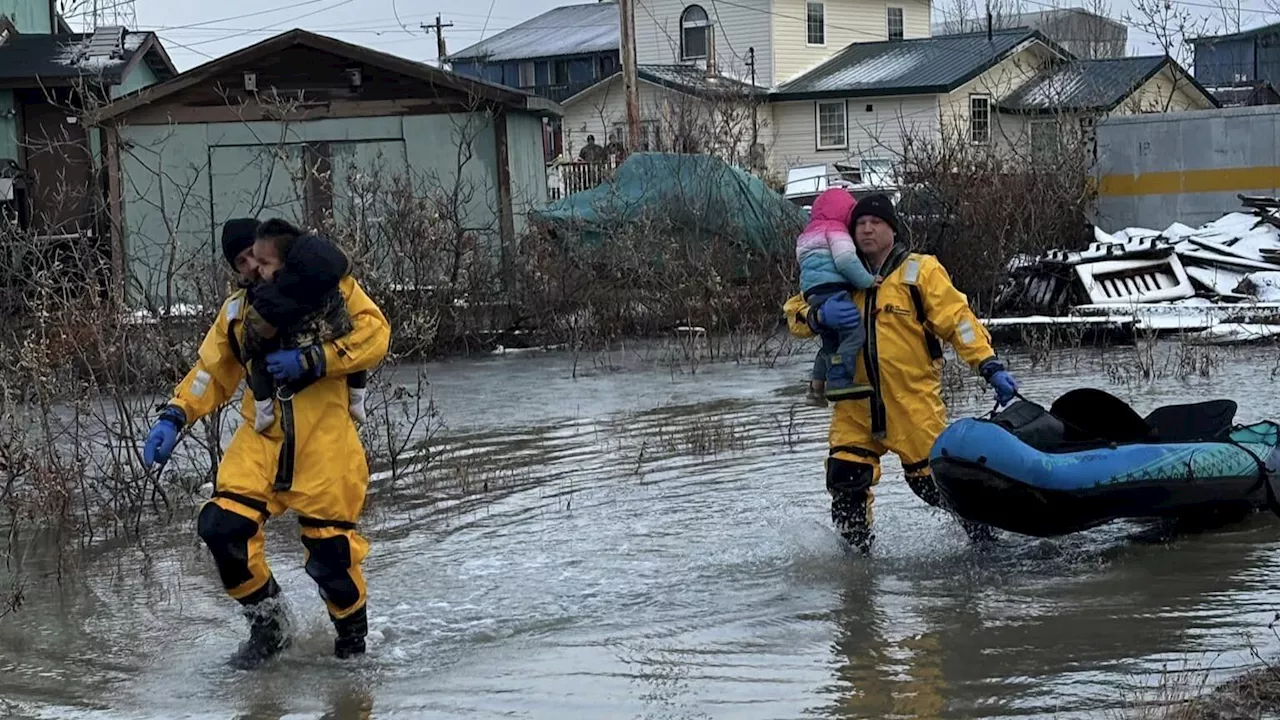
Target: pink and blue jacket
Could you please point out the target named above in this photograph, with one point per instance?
(825, 249)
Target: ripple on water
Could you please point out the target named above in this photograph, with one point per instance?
(636, 553)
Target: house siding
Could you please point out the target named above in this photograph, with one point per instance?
(140, 77)
(182, 181)
(596, 111)
(527, 169)
(8, 127)
(847, 21)
(1165, 92)
(879, 133)
(1238, 60)
(31, 17)
(996, 83)
(738, 27)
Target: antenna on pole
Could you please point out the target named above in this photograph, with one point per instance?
(112, 13)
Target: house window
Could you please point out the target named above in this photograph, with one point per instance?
(896, 28)
(526, 75)
(832, 128)
(1045, 137)
(607, 67)
(560, 73)
(694, 27)
(979, 119)
(877, 171)
(815, 21)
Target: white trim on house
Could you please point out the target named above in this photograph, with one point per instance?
(902, 22)
(844, 124)
(807, 41)
(973, 135)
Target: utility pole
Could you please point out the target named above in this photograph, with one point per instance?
(438, 28)
(755, 117)
(630, 86)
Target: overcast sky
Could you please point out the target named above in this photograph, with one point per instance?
(194, 32)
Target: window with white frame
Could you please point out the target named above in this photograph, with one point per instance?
(979, 119)
(897, 30)
(526, 75)
(694, 27)
(832, 130)
(815, 22)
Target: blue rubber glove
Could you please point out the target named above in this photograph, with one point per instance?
(289, 365)
(162, 438)
(839, 313)
(1005, 386)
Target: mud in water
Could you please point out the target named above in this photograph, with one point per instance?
(640, 542)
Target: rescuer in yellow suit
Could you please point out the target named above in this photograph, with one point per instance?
(310, 459)
(909, 308)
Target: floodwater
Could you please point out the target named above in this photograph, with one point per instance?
(647, 543)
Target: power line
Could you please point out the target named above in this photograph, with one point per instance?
(277, 27)
(186, 47)
(268, 11)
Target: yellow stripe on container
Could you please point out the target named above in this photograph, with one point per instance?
(1191, 181)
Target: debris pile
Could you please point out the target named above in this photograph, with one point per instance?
(1234, 260)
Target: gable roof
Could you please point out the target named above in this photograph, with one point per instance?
(924, 66)
(567, 30)
(1090, 85)
(472, 87)
(65, 58)
(687, 79)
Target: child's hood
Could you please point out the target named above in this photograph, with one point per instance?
(832, 206)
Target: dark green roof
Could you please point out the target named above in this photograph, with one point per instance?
(902, 67)
(1086, 85)
(40, 60)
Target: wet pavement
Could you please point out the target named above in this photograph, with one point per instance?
(640, 542)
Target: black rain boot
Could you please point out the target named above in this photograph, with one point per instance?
(351, 633)
(982, 536)
(269, 631)
(850, 518)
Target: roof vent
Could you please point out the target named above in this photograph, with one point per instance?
(107, 42)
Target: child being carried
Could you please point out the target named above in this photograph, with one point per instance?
(299, 307)
(829, 266)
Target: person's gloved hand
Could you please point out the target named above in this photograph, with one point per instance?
(1000, 379)
(162, 438)
(839, 313)
(290, 365)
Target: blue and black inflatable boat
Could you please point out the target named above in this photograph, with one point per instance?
(1091, 459)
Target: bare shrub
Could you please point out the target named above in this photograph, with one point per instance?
(977, 206)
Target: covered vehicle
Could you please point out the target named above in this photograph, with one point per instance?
(1091, 459)
(700, 194)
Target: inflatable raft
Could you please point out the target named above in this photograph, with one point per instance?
(1091, 459)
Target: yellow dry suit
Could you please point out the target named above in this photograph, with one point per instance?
(310, 460)
(907, 312)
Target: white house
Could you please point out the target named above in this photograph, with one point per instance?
(848, 81)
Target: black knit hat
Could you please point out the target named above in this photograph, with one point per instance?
(877, 205)
(237, 236)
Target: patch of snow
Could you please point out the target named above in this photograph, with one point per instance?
(1178, 230)
(133, 41)
(76, 55)
(1263, 285)
(1221, 280)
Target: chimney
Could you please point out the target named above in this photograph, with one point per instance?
(711, 50)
